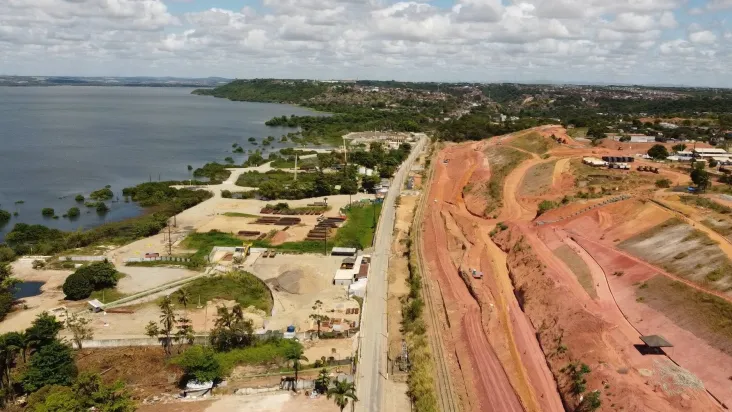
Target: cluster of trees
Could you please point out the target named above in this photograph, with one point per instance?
(7, 281)
(96, 276)
(4, 217)
(214, 172)
(658, 152)
(36, 362)
(265, 90)
(481, 123)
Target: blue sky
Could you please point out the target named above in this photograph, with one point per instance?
(621, 41)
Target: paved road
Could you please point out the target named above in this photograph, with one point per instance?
(372, 362)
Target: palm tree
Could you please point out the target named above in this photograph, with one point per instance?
(296, 355)
(238, 313)
(341, 392)
(323, 381)
(317, 316)
(167, 321)
(225, 318)
(184, 297)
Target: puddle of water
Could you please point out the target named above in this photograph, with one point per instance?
(27, 289)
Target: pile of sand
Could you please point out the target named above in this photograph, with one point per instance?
(298, 280)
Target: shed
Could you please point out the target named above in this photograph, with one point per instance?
(656, 341)
(96, 305)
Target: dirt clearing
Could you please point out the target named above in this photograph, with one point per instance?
(502, 161)
(532, 142)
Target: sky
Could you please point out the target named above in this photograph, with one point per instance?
(680, 42)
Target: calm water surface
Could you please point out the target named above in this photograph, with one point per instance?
(57, 142)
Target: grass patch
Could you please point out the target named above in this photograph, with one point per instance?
(358, 231)
(242, 287)
(684, 251)
(271, 353)
(702, 314)
(578, 267)
(706, 203)
(204, 242)
(577, 131)
(107, 295)
(192, 264)
(502, 160)
(237, 214)
(532, 142)
(538, 179)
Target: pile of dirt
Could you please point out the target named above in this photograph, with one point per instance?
(279, 238)
(127, 364)
(298, 280)
(570, 334)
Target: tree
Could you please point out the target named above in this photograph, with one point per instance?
(323, 381)
(4, 217)
(93, 394)
(713, 163)
(167, 321)
(232, 330)
(318, 317)
(80, 329)
(200, 363)
(658, 152)
(152, 330)
(369, 183)
(47, 211)
(700, 177)
(184, 297)
(341, 392)
(77, 287)
(295, 354)
(184, 334)
(58, 399)
(43, 331)
(53, 364)
(73, 212)
(678, 147)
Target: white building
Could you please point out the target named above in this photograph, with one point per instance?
(707, 153)
(346, 275)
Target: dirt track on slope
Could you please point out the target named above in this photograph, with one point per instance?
(499, 360)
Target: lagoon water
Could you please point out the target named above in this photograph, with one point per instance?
(57, 142)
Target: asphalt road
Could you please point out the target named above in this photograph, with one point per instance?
(372, 355)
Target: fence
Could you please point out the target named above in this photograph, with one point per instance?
(158, 259)
(198, 340)
(86, 258)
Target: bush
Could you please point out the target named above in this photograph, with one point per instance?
(77, 287)
(658, 152)
(79, 198)
(102, 208)
(4, 216)
(545, 206)
(663, 183)
(73, 212)
(100, 274)
(48, 211)
(200, 363)
(102, 194)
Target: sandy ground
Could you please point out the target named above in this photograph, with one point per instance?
(489, 331)
(51, 295)
(316, 284)
(139, 279)
(276, 402)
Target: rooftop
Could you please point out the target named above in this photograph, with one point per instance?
(709, 150)
(656, 341)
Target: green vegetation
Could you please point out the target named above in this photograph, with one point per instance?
(658, 152)
(236, 214)
(706, 203)
(532, 142)
(663, 183)
(245, 288)
(162, 201)
(102, 194)
(545, 206)
(267, 91)
(358, 231)
(4, 217)
(704, 315)
(342, 392)
(700, 177)
(88, 278)
(73, 212)
(577, 131)
(503, 160)
(203, 243)
(284, 208)
(200, 363)
(79, 198)
(47, 211)
(264, 353)
(216, 173)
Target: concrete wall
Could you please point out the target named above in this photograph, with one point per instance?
(198, 340)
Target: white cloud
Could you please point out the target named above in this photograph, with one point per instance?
(703, 37)
(719, 4)
(623, 40)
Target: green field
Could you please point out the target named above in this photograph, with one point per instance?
(242, 287)
(204, 242)
(532, 142)
(358, 231)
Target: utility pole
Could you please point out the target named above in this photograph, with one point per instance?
(296, 166)
(345, 157)
(170, 241)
